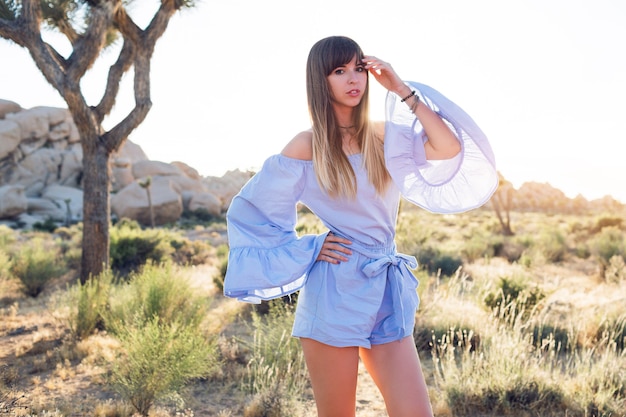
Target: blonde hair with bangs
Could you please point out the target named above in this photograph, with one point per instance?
(332, 168)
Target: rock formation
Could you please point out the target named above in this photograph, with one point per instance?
(41, 175)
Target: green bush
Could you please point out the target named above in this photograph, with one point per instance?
(156, 291)
(277, 363)
(513, 296)
(5, 264)
(7, 237)
(88, 305)
(132, 247)
(551, 244)
(35, 263)
(437, 262)
(159, 358)
(608, 243)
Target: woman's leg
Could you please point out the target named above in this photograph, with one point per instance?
(396, 370)
(333, 374)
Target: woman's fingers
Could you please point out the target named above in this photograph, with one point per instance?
(333, 249)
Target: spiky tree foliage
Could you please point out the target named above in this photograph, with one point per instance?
(90, 26)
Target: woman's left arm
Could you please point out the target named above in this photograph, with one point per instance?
(442, 143)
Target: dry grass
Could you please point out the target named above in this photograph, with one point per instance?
(44, 371)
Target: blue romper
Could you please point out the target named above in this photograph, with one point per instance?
(371, 298)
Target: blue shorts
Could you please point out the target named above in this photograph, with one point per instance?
(370, 299)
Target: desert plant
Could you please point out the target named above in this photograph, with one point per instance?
(610, 241)
(277, 363)
(156, 291)
(159, 358)
(88, 304)
(131, 247)
(35, 263)
(551, 245)
(513, 296)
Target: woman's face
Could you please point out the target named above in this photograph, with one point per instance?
(347, 84)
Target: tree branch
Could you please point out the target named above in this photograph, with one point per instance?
(117, 70)
(26, 32)
(10, 29)
(88, 46)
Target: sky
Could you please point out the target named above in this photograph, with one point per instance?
(544, 79)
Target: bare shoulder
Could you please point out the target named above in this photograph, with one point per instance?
(379, 129)
(300, 147)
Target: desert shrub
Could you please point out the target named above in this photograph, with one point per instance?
(551, 337)
(610, 241)
(276, 365)
(513, 296)
(7, 237)
(5, 264)
(616, 270)
(606, 221)
(476, 247)
(88, 305)
(36, 262)
(70, 244)
(551, 245)
(156, 291)
(49, 225)
(432, 337)
(437, 262)
(612, 331)
(131, 247)
(192, 218)
(159, 358)
(510, 248)
(190, 252)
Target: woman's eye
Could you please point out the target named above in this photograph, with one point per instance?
(339, 71)
(360, 69)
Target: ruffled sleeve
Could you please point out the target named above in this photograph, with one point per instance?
(266, 257)
(455, 185)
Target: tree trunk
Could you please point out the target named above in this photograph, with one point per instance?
(96, 209)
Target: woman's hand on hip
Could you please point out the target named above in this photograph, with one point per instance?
(334, 250)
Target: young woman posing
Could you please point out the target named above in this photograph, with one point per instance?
(357, 297)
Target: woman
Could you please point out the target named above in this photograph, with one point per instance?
(357, 297)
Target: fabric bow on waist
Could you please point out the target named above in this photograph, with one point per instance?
(397, 268)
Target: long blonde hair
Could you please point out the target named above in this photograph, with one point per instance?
(332, 168)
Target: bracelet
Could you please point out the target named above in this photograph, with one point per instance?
(416, 102)
(408, 97)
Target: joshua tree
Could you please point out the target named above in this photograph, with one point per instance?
(146, 185)
(502, 201)
(90, 26)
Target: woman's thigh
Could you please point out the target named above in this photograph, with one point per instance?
(333, 372)
(396, 370)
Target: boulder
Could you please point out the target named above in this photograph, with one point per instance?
(8, 106)
(34, 123)
(187, 170)
(144, 169)
(71, 171)
(130, 151)
(226, 187)
(206, 202)
(132, 202)
(44, 208)
(62, 196)
(13, 201)
(10, 137)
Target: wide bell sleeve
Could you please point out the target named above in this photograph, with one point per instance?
(455, 185)
(266, 257)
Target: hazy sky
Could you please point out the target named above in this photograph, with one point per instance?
(545, 79)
